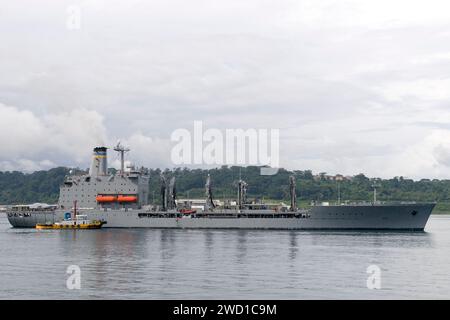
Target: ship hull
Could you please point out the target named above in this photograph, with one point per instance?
(31, 219)
(411, 217)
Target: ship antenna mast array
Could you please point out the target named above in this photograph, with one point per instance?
(121, 150)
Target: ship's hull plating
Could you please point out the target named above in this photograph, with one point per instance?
(412, 217)
(31, 219)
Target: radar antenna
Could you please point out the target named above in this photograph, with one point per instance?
(121, 150)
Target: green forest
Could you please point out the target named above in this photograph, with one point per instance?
(43, 186)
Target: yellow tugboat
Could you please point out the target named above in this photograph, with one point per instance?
(79, 222)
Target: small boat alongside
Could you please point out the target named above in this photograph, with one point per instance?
(80, 222)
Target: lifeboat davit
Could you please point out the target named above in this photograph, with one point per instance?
(106, 199)
(127, 198)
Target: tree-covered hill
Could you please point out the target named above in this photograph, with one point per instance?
(309, 186)
(40, 186)
(43, 186)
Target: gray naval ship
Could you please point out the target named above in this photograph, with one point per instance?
(121, 200)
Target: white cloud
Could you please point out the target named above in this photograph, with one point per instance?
(352, 84)
(424, 89)
(30, 142)
(368, 13)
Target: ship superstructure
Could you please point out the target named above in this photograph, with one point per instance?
(99, 189)
(121, 200)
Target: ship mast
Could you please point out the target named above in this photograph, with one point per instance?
(208, 192)
(293, 193)
(375, 186)
(242, 193)
(163, 181)
(172, 201)
(121, 150)
(74, 210)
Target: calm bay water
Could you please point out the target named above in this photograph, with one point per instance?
(224, 264)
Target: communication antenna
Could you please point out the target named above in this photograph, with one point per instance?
(121, 150)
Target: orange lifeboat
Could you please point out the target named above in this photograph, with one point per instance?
(188, 211)
(127, 198)
(106, 199)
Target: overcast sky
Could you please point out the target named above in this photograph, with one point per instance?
(353, 85)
